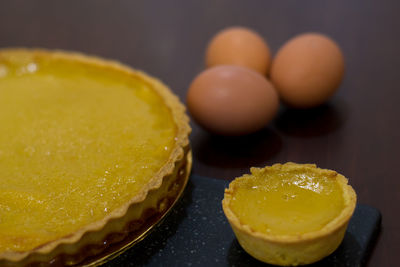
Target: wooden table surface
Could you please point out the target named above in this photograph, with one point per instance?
(356, 133)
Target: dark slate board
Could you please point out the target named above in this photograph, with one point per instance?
(196, 233)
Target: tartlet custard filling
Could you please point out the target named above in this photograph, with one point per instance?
(286, 202)
(76, 142)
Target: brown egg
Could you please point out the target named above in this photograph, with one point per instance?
(239, 46)
(232, 100)
(307, 70)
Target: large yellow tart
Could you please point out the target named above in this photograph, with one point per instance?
(89, 150)
(290, 214)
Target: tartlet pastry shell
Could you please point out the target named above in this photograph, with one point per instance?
(290, 250)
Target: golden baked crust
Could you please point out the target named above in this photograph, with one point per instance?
(292, 249)
(154, 198)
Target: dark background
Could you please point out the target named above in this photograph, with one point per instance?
(356, 133)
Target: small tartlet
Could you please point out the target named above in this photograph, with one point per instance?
(157, 192)
(296, 247)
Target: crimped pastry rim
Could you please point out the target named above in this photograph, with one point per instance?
(349, 197)
(181, 140)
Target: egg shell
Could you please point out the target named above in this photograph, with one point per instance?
(307, 70)
(232, 100)
(239, 46)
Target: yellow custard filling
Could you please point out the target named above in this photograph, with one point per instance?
(76, 142)
(286, 202)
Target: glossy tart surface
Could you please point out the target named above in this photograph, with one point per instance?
(79, 139)
(277, 212)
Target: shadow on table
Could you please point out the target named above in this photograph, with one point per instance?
(346, 255)
(312, 122)
(239, 151)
